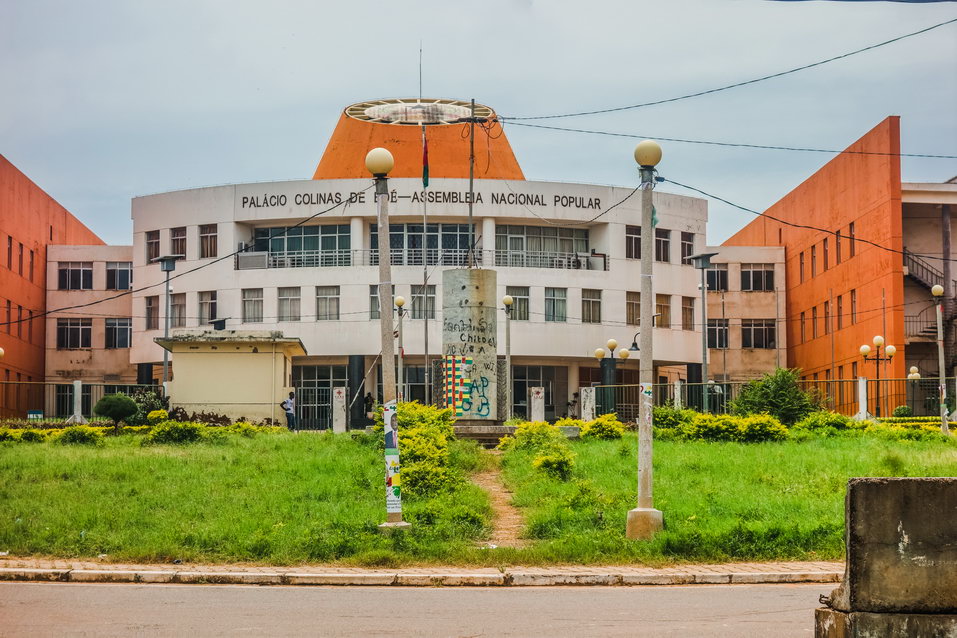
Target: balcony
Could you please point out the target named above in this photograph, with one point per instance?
(250, 260)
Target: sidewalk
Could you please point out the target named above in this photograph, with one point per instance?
(28, 569)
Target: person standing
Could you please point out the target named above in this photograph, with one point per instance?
(289, 406)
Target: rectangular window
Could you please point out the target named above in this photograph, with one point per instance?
(802, 266)
(9, 317)
(252, 305)
(837, 247)
(687, 247)
(152, 313)
(662, 245)
(207, 241)
(119, 332)
(177, 310)
(374, 300)
(813, 261)
(20, 322)
(718, 277)
(827, 317)
(72, 334)
(556, 300)
(10, 252)
(633, 308)
(854, 370)
(20, 260)
(687, 313)
(289, 309)
(31, 265)
(591, 306)
(853, 307)
(757, 333)
(119, 275)
(663, 311)
(803, 327)
(814, 322)
(30, 326)
(827, 258)
(632, 242)
(538, 246)
(75, 275)
(423, 303)
(718, 333)
(152, 245)
(327, 303)
(177, 242)
(757, 277)
(520, 300)
(851, 237)
(207, 307)
(840, 312)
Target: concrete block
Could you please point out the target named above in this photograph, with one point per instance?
(657, 579)
(339, 579)
(103, 576)
(146, 576)
(535, 579)
(753, 578)
(22, 573)
(830, 623)
(228, 578)
(901, 551)
(472, 580)
(712, 579)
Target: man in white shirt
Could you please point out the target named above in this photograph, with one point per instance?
(289, 406)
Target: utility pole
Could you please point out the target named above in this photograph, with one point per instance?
(471, 254)
(379, 162)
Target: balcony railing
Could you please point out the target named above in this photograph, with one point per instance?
(920, 327)
(415, 257)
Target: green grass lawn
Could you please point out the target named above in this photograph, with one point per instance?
(280, 499)
(721, 501)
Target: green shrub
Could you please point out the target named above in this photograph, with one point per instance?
(820, 420)
(566, 422)
(425, 478)
(157, 416)
(899, 433)
(514, 421)
(903, 410)
(80, 435)
(118, 407)
(146, 401)
(530, 435)
(726, 427)
(136, 429)
(605, 427)
(412, 413)
(33, 436)
(556, 461)
(760, 427)
(10, 434)
(670, 417)
(177, 432)
(779, 395)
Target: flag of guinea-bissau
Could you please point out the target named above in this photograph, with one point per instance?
(425, 160)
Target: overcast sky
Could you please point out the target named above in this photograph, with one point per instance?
(103, 101)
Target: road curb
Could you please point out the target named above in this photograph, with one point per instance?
(517, 578)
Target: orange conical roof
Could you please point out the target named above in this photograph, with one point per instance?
(396, 124)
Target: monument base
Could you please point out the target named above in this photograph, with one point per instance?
(391, 525)
(643, 523)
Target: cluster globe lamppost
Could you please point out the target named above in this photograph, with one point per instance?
(645, 521)
(913, 376)
(878, 359)
(400, 311)
(608, 363)
(938, 293)
(507, 302)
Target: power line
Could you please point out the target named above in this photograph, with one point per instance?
(736, 84)
(729, 144)
(827, 231)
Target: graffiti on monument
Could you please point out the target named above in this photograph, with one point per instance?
(475, 337)
(477, 391)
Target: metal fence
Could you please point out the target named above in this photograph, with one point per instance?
(922, 396)
(23, 399)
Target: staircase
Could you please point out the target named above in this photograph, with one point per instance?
(928, 276)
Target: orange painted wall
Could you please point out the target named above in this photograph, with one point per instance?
(852, 187)
(30, 217)
(345, 154)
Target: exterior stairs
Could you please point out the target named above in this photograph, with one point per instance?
(927, 275)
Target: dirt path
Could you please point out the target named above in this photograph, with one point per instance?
(507, 519)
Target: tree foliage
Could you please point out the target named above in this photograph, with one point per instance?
(777, 394)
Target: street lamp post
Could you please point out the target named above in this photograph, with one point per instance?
(167, 265)
(702, 262)
(400, 393)
(913, 377)
(379, 162)
(938, 292)
(644, 521)
(507, 301)
(889, 352)
(608, 365)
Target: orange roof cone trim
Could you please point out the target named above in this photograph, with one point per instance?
(396, 124)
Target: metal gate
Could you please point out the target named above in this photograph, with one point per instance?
(313, 408)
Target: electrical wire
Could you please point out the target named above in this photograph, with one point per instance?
(770, 147)
(736, 84)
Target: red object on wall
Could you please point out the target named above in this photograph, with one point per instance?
(30, 220)
(854, 187)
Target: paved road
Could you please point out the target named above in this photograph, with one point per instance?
(728, 611)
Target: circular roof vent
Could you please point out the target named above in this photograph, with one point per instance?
(415, 111)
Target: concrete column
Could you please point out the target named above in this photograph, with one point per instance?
(678, 389)
(536, 402)
(77, 404)
(357, 239)
(862, 413)
(587, 401)
(469, 331)
(573, 390)
(339, 402)
(488, 242)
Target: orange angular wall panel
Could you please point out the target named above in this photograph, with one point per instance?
(396, 125)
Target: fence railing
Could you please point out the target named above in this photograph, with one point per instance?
(922, 396)
(251, 260)
(42, 400)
